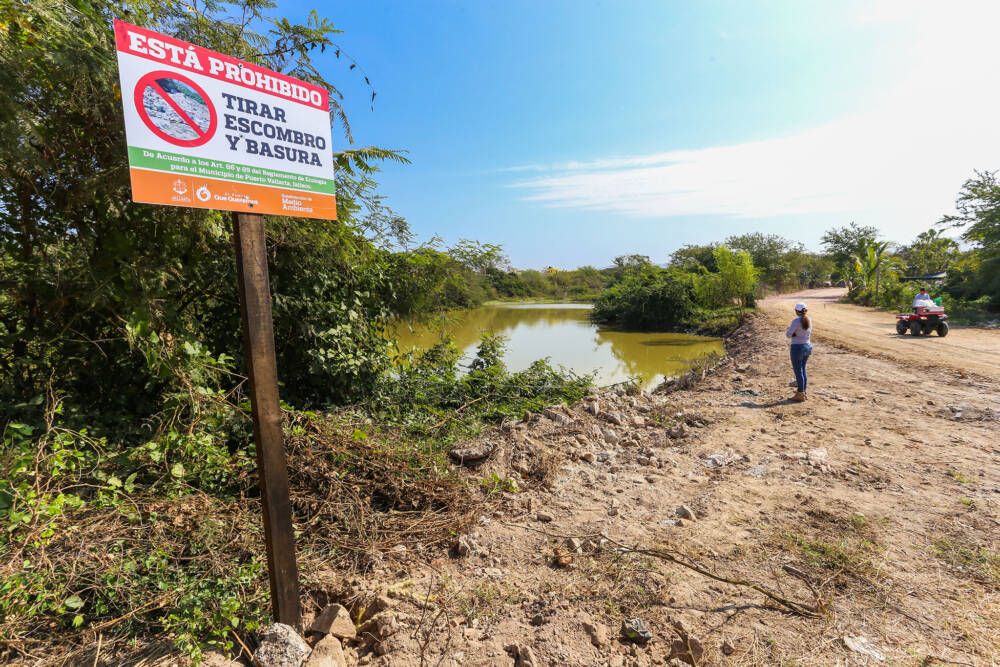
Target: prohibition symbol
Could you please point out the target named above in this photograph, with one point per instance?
(175, 108)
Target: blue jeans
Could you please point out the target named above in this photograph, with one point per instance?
(800, 355)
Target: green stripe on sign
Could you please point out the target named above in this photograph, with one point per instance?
(174, 163)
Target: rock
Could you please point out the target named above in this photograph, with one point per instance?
(471, 454)
(686, 512)
(635, 631)
(575, 545)
(678, 431)
(464, 546)
(588, 457)
(556, 416)
(817, 458)
(686, 648)
(727, 648)
(614, 418)
(638, 421)
(603, 456)
(863, 645)
(386, 624)
(598, 633)
(758, 471)
(593, 407)
(526, 657)
(327, 653)
(544, 517)
(334, 620)
(610, 436)
(719, 459)
(281, 646)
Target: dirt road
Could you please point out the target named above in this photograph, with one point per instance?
(967, 349)
(870, 515)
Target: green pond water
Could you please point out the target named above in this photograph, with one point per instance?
(563, 333)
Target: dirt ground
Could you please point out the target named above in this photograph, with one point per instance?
(866, 517)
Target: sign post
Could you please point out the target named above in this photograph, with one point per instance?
(205, 130)
(262, 371)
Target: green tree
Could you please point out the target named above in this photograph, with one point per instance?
(777, 259)
(843, 243)
(871, 264)
(931, 252)
(978, 206)
(733, 283)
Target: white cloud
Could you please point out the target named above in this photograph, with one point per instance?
(901, 161)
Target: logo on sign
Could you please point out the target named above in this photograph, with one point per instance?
(203, 193)
(180, 187)
(175, 108)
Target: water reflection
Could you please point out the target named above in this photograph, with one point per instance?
(564, 334)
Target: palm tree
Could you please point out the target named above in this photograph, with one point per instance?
(871, 261)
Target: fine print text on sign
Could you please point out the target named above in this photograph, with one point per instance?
(206, 130)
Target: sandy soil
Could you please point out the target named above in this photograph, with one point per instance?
(875, 502)
(968, 349)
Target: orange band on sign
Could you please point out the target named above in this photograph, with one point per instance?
(155, 187)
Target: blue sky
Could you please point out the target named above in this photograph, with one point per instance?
(572, 132)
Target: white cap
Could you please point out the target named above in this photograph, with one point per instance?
(799, 307)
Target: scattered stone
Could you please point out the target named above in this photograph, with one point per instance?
(758, 471)
(612, 511)
(544, 517)
(687, 649)
(678, 431)
(281, 646)
(471, 454)
(610, 436)
(603, 456)
(556, 416)
(863, 645)
(635, 631)
(575, 545)
(614, 418)
(598, 633)
(817, 457)
(638, 421)
(720, 459)
(588, 457)
(334, 620)
(727, 648)
(464, 546)
(686, 512)
(327, 653)
(593, 407)
(526, 657)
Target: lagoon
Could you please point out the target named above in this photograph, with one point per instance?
(564, 334)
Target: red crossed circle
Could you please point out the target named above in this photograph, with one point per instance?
(151, 80)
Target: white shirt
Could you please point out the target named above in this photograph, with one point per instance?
(923, 300)
(799, 335)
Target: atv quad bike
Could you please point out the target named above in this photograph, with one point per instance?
(922, 321)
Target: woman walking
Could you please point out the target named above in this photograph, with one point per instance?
(800, 331)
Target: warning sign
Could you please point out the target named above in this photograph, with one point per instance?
(206, 130)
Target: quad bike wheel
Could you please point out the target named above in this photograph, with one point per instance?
(915, 327)
(901, 327)
(942, 329)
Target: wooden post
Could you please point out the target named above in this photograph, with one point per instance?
(262, 371)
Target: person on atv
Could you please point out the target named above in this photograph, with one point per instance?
(922, 299)
(800, 331)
